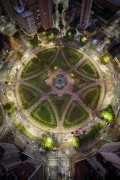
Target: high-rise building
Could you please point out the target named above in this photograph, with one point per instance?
(8, 7)
(111, 153)
(74, 9)
(105, 164)
(45, 7)
(4, 45)
(36, 14)
(85, 13)
(113, 5)
(32, 5)
(14, 168)
(9, 156)
(26, 21)
(42, 11)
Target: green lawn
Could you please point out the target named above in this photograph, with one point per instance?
(60, 103)
(80, 82)
(44, 115)
(75, 115)
(28, 96)
(88, 68)
(37, 64)
(46, 56)
(39, 82)
(59, 63)
(72, 56)
(32, 67)
(91, 97)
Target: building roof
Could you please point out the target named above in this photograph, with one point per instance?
(19, 9)
(114, 50)
(84, 169)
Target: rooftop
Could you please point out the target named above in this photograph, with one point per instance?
(114, 49)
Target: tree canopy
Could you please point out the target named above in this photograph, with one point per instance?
(71, 33)
(9, 107)
(108, 114)
(83, 39)
(48, 143)
(75, 142)
(60, 8)
(105, 59)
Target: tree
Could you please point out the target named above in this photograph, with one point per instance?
(60, 8)
(101, 125)
(50, 36)
(54, 8)
(55, 31)
(71, 33)
(61, 24)
(48, 143)
(90, 45)
(105, 59)
(9, 107)
(75, 142)
(35, 41)
(108, 114)
(16, 35)
(83, 39)
(19, 55)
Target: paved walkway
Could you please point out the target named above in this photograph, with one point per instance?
(74, 96)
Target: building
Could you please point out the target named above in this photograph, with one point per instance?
(103, 12)
(9, 156)
(32, 5)
(103, 165)
(92, 30)
(14, 168)
(114, 51)
(111, 153)
(25, 20)
(45, 8)
(8, 7)
(4, 45)
(74, 10)
(42, 12)
(31, 169)
(85, 13)
(113, 5)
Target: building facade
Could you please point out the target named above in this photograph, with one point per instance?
(13, 167)
(85, 13)
(26, 21)
(45, 8)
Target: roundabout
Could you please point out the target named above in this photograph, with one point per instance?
(59, 90)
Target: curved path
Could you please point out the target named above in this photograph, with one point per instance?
(74, 96)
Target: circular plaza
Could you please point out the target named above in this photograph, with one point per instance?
(59, 89)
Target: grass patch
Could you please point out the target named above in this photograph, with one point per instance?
(72, 56)
(46, 56)
(44, 115)
(59, 63)
(28, 96)
(60, 103)
(37, 64)
(80, 82)
(91, 97)
(39, 82)
(75, 115)
(87, 67)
